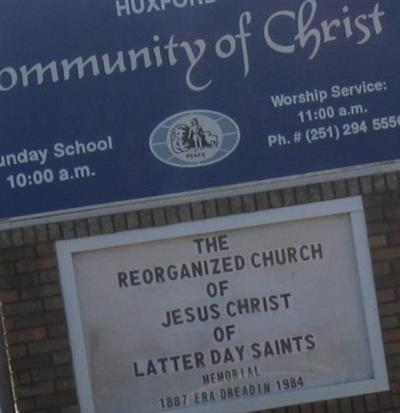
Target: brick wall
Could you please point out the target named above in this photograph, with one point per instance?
(33, 309)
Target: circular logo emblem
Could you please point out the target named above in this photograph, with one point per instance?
(194, 138)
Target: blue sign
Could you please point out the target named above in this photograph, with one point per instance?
(104, 101)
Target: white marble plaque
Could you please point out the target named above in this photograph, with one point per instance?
(228, 315)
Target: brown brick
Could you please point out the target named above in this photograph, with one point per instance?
(390, 322)
(332, 406)
(319, 407)
(184, 213)
(17, 237)
(34, 320)
(58, 330)
(197, 210)
(47, 248)
(106, 224)
(392, 348)
(301, 195)
(366, 185)
(62, 357)
(396, 387)
(371, 402)
(42, 263)
(67, 230)
(386, 282)
(223, 207)
(5, 239)
(378, 241)
(46, 290)
(81, 229)
(49, 276)
(54, 231)
(31, 362)
(34, 390)
(52, 373)
(392, 212)
(386, 296)
(22, 378)
(145, 218)
(53, 303)
(21, 281)
(379, 183)
(262, 201)
(340, 188)
(22, 307)
(382, 268)
(172, 215)
(382, 198)
(306, 408)
(93, 224)
(385, 253)
(7, 269)
(373, 214)
(25, 405)
(394, 239)
(119, 221)
(393, 361)
(353, 186)
(8, 296)
(47, 346)
(315, 193)
(396, 403)
(132, 220)
(358, 404)
(275, 199)
(249, 203)
(41, 233)
(392, 181)
(64, 384)
(396, 267)
(57, 399)
(394, 374)
(17, 351)
(159, 217)
(236, 204)
(210, 208)
(70, 409)
(31, 334)
(385, 400)
(289, 197)
(390, 309)
(28, 234)
(17, 253)
(378, 227)
(328, 191)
